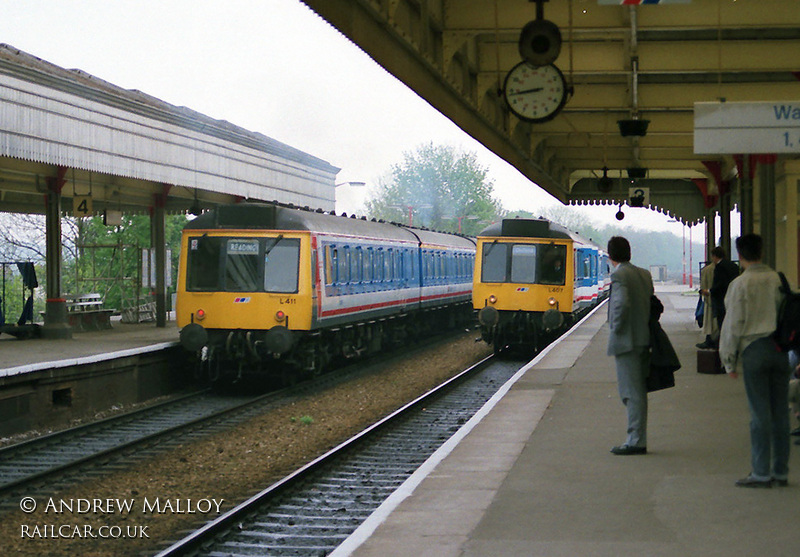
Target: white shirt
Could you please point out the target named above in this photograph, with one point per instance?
(751, 311)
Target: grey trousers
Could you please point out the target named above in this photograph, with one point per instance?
(632, 370)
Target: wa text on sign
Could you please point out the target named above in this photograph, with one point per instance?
(732, 128)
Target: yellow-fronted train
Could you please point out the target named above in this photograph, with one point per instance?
(279, 291)
(533, 279)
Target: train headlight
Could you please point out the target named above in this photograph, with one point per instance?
(492, 299)
(280, 316)
(552, 302)
(200, 314)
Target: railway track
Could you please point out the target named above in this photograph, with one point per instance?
(314, 509)
(61, 458)
(46, 458)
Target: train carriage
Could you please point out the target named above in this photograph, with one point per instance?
(532, 279)
(260, 283)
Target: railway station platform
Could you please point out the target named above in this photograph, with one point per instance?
(533, 476)
(20, 356)
(48, 384)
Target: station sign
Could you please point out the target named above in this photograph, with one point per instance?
(735, 128)
(638, 197)
(82, 206)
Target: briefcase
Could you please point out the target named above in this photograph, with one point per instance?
(708, 361)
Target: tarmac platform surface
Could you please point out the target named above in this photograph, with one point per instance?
(22, 356)
(533, 476)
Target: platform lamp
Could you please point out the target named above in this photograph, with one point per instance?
(354, 184)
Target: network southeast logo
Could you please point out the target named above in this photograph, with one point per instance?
(241, 300)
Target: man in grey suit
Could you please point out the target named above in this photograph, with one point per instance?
(628, 315)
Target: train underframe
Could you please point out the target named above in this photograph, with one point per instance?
(288, 356)
(523, 332)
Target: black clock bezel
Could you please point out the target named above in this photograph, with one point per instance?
(549, 116)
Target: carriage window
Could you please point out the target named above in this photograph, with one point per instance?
(377, 275)
(356, 259)
(204, 264)
(241, 265)
(389, 265)
(523, 263)
(281, 265)
(343, 272)
(552, 259)
(366, 262)
(331, 264)
(493, 266)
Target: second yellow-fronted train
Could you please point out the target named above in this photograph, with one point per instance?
(533, 279)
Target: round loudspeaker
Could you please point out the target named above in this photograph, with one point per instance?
(540, 42)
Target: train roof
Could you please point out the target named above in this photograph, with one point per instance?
(270, 216)
(532, 228)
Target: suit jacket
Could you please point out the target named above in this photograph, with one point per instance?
(724, 273)
(629, 309)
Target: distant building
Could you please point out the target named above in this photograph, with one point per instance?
(658, 272)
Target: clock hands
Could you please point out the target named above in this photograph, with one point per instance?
(533, 90)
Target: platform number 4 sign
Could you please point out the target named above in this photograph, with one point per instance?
(82, 206)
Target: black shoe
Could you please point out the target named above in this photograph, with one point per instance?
(627, 449)
(704, 345)
(750, 481)
(780, 483)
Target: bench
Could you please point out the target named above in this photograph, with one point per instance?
(85, 312)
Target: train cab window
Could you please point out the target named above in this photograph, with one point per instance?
(493, 263)
(203, 269)
(523, 263)
(281, 265)
(241, 264)
(552, 261)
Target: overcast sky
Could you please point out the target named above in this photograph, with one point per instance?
(270, 66)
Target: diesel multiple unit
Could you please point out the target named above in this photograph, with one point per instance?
(533, 278)
(263, 284)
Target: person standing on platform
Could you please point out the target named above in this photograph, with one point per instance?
(725, 271)
(710, 328)
(629, 339)
(752, 305)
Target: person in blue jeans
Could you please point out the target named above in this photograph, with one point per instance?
(751, 305)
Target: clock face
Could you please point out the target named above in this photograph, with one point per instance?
(535, 94)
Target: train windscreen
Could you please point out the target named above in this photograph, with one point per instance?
(524, 263)
(281, 266)
(219, 264)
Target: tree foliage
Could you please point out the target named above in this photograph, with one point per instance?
(95, 258)
(437, 186)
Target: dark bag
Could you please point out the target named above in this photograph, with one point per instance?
(664, 360)
(708, 361)
(698, 312)
(787, 335)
